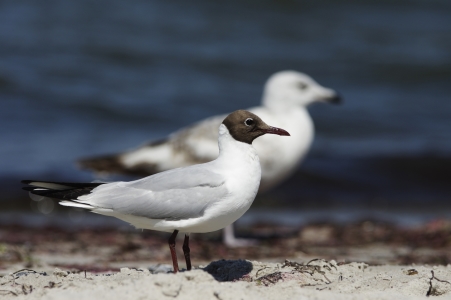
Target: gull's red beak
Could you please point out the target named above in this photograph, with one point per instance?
(275, 130)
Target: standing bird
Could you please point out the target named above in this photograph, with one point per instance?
(198, 198)
(285, 99)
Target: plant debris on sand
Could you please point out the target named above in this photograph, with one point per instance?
(100, 249)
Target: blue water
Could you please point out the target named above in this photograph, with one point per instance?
(79, 78)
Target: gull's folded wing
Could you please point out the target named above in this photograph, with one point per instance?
(176, 194)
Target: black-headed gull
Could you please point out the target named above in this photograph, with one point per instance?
(198, 198)
(285, 98)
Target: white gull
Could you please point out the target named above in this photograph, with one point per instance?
(198, 198)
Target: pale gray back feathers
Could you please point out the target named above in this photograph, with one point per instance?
(181, 178)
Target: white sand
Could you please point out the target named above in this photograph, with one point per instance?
(238, 279)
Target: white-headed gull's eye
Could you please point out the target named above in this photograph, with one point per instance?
(302, 85)
(249, 122)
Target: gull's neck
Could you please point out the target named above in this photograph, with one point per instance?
(231, 149)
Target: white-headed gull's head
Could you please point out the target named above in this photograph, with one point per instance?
(286, 89)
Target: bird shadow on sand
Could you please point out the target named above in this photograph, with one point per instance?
(229, 270)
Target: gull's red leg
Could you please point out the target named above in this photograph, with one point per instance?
(186, 252)
(172, 248)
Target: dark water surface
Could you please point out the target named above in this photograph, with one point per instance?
(79, 78)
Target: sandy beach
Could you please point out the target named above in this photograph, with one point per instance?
(363, 260)
(237, 279)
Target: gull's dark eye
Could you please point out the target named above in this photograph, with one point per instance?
(249, 122)
(302, 85)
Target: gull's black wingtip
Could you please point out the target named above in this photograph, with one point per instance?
(27, 181)
(28, 188)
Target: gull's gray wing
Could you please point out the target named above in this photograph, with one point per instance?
(176, 194)
(197, 143)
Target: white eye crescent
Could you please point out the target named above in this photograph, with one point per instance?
(249, 122)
